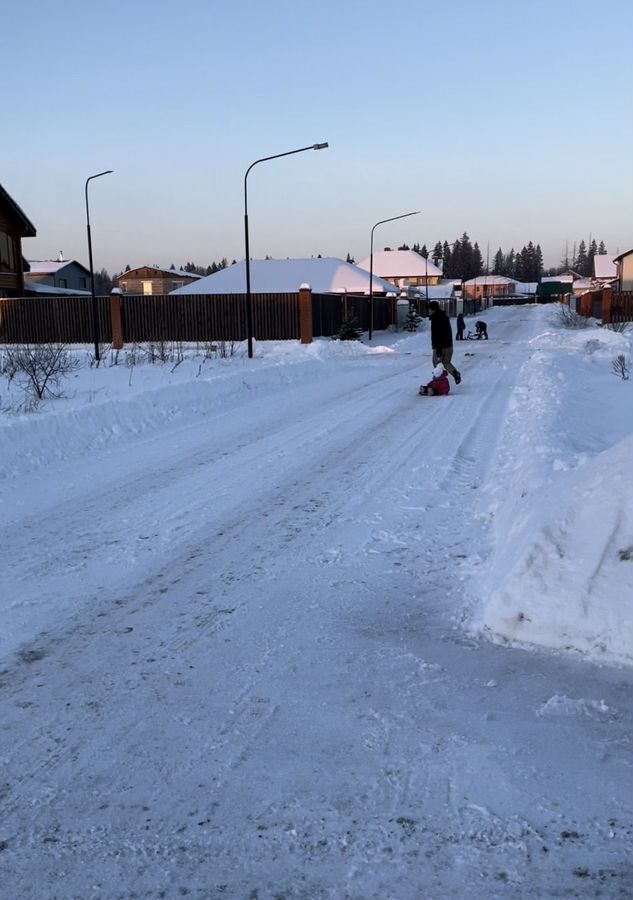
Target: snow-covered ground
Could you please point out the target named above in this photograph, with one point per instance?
(282, 628)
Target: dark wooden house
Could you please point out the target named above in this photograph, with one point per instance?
(14, 226)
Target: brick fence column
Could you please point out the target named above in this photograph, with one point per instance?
(115, 316)
(305, 313)
(607, 297)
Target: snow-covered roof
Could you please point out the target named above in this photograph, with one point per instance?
(325, 275)
(583, 284)
(50, 266)
(28, 229)
(178, 272)
(36, 287)
(490, 279)
(604, 266)
(400, 264)
(443, 291)
(563, 279)
(622, 255)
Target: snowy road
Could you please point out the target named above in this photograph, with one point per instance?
(246, 675)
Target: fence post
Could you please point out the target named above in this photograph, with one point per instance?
(115, 317)
(607, 296)
(305, 313)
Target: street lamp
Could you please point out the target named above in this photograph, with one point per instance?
(249, 302)
(371, 266)
(95, 323)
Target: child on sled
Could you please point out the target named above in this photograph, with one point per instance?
(438, 385)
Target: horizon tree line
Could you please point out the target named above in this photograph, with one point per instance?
(460, 259)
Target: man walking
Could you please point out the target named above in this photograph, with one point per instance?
(442, 339)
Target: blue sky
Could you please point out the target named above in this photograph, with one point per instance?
(508, 121)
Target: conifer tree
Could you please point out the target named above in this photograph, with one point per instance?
(602, 249)
(581, 260)
(538, 264)
(447, 256)
(350, 330)
(477, 263)
(498, 263)
(593, 251)
(437, 251)
(413, 319)
(349, 258)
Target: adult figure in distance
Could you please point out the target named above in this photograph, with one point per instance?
(442, 339)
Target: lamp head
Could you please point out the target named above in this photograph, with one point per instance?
(320, 146)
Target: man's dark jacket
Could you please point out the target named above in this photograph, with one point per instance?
(441, 332)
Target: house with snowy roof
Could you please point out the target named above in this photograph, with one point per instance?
(14, 226)
(325, 275)
(403, 268)
(604, 269)
(151, 280)
(489, 286)
(624, 269)
(65, 274)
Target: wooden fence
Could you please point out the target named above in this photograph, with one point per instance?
(53, 320)
(611, 307)
(621, 307)
(186, 317)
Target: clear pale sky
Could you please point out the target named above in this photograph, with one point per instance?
(510, 121)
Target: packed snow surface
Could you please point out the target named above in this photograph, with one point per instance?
(283, 628)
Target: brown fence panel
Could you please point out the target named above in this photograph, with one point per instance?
(276, 317)
(622, 306)
(52, 320)
(187, 318)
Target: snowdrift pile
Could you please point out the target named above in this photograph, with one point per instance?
(560, 502)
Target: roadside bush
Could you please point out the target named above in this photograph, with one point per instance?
(40, 369)
(620, 367)
(413, 320)
(566, 317)
(619, 327)
(350, 330)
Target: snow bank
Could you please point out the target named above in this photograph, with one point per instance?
(112, 404)
(560, 503)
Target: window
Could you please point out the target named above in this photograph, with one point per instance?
(147, 287)
(178, 284)
(63, 283)
(7, 255)
(83, 284)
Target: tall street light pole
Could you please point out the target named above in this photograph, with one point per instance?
(95, 321)
(249, 299)
(371, 266)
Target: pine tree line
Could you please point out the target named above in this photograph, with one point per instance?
(460, 259)
(463, 259)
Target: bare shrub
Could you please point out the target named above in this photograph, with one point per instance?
(619, 327)
(41, 368)
(104, 353)
(226, 349)
(620, 367)
(566, 317)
